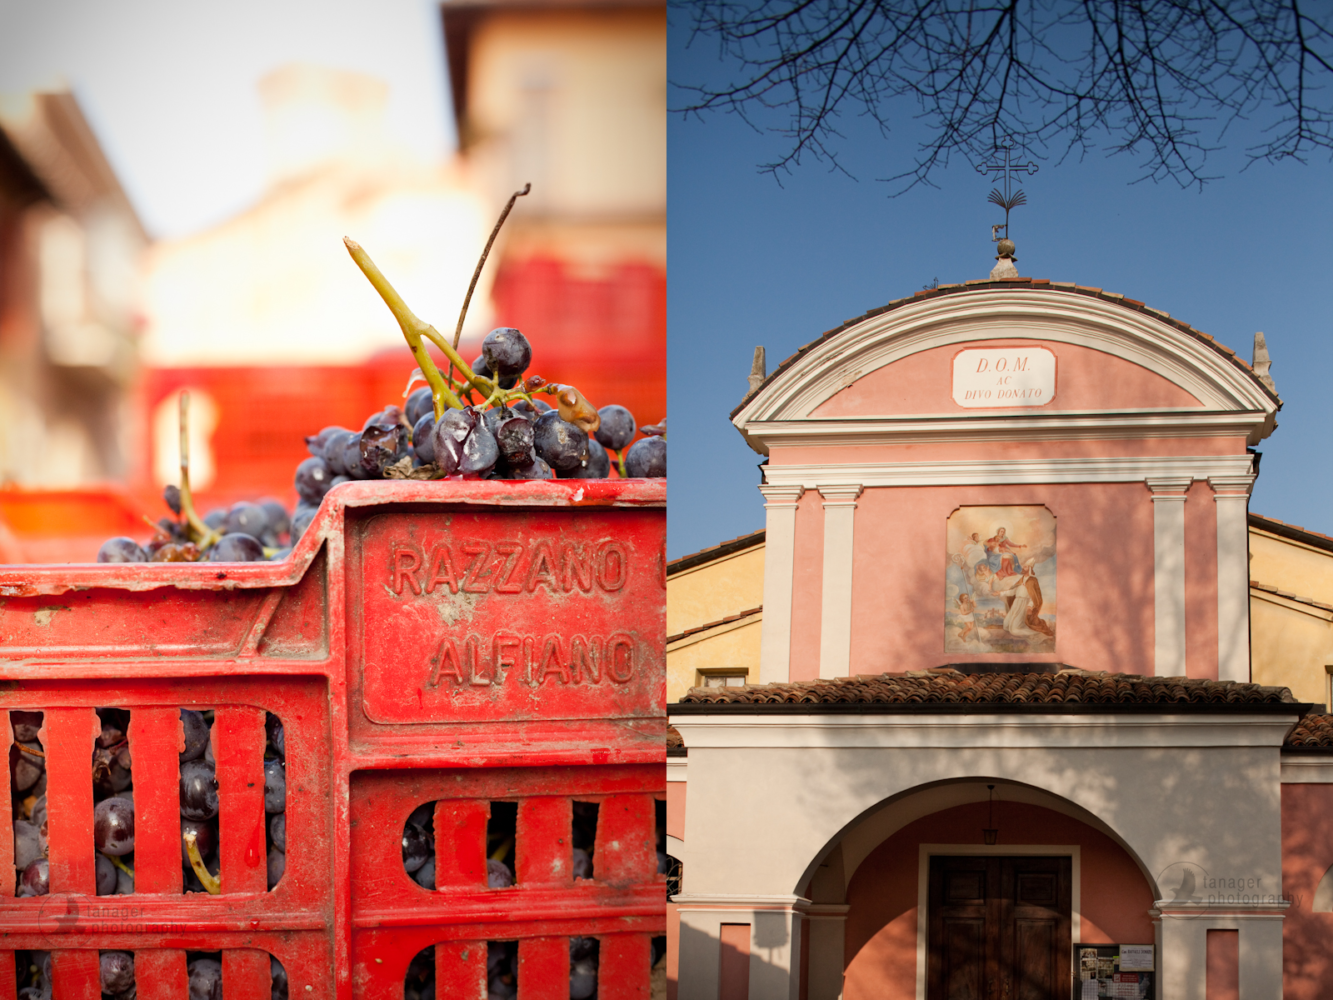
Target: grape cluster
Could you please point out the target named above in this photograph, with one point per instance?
(244, 532)
(518, 437)
(112, 779)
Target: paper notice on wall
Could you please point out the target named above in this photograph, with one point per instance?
(1089, 990)
(1136, 958)
(1119, 989)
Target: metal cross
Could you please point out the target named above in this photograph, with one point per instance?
(1006, 200)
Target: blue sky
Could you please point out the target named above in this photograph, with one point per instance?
(754, 261)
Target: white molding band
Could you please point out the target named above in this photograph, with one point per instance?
(1068, 425)
(1168, 531)
(990, 472)
(835, 615)
(918, 730)
(1231, 497)
(1316, 769)
(779, 572)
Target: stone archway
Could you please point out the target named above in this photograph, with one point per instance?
(868, 927)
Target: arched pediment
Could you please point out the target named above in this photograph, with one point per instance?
(1204, 376)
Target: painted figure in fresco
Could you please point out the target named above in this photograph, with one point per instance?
(966, 616)
(973, 553)
(1021, 594)
(1002, 554)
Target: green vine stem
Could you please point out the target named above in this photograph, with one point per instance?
(206, 536)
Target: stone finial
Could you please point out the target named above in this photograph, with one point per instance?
(758, 369)
(1004, 261)
(1262, 362)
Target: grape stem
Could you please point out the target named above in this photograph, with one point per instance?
(120, 864)
(205, 533)
(213, 885)
(481, 262)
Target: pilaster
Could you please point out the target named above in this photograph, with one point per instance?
(779, 567)
(835, 618)
(1231, 494)
(1168, 522)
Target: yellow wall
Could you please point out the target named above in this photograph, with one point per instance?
(709, 593)
(1291, 640)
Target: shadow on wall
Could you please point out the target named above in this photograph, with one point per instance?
(728, 963)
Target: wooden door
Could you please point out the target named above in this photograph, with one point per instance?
(998, 928)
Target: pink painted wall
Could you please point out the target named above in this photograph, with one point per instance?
(1084, 380)
(1222, 978)
(1307, 853)
(807, 587)
(1201, 582)
(675, 800)
(882, 897)
(1104, 574)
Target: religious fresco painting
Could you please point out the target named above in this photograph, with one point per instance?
(999, 592)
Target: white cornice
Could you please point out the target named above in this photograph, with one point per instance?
(1032, 315)
(1315, 769)
(1001, 471)
(677, 768)
(914, 731)
(1067, 425)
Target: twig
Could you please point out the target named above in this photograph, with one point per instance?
(467, 299)
(213, 885)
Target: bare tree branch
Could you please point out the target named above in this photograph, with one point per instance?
(1161, 80)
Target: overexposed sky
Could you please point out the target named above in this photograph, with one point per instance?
(170, 86)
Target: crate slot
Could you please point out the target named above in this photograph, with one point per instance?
(24, 840)
(584, 959)
(115, 833)
(502, 845)
(583, 835)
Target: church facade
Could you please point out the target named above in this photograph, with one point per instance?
(1005, 741)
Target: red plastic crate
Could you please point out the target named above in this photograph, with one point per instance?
(457, 643)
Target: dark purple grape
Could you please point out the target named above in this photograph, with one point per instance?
(301, 521)
(276, 737)
(421, 438)
(195, 731)
(275, 786)
(199, 790)
(280, 554)
(382, 444)
(26, 769)
(647, 459)
(113, 826)
(277, 830)
(205, 979)
(278, 976)
(29, 844)
(530, 411)
(582, 968)
(506, 352)
(312, 481)
(451, 431)
(237, 548)
(279, 521)
(537, 470)
(249, 518)
(26, 725)
(514, 437)
(205, 836)
(425, 875)
(334, 450)
(418, 847)
(316, 443)
(597, 467)
(418, 405)
(106, 876)
(36, 880)
(498, 874)
(617, 429)
(117, 971)
(214, 518)
(387, 417)
(172, 495)
(560, 443)
(277, 864)
(121, 550)
(480, 453)
(479, 367)
(349, 458)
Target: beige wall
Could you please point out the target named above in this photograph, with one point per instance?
(709, 593)
(1292, 638)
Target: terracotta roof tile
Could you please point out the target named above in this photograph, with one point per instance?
(674, 741)
(1292, 531)
(707, 625)
(716, 551)
(942, 687)
(1017, 285)
(1314, 732)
